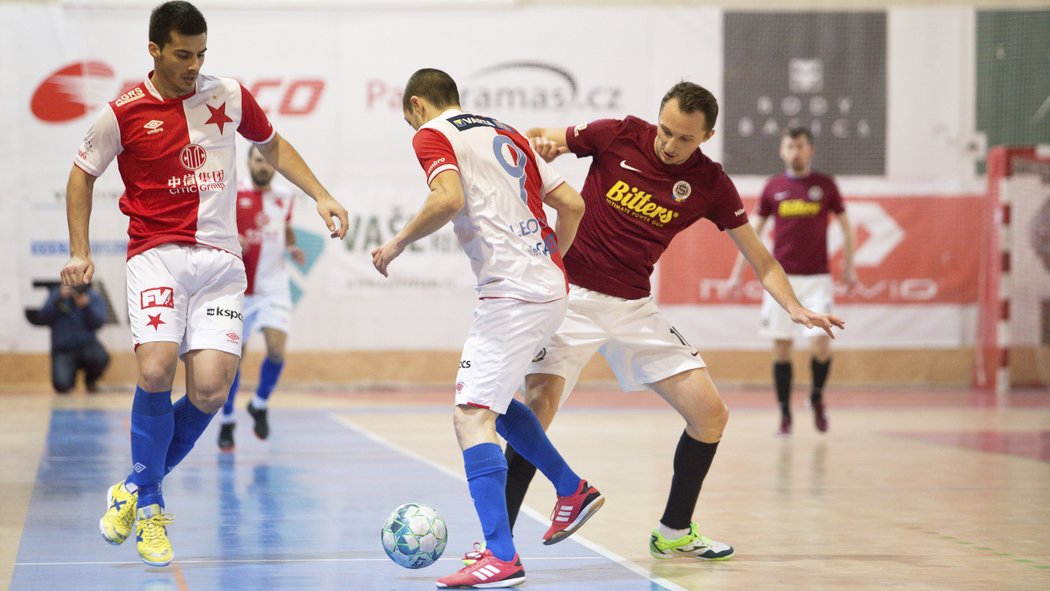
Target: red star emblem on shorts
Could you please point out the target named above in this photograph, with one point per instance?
(155, 321)
(218, 116)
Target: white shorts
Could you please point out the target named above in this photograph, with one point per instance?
(813, 291)
(271, 310)
(505, 336)
(191, 295)
(636, 340)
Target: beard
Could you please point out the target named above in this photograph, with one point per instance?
(261, 179)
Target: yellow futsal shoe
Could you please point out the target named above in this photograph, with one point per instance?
(119, 518)
(151, 533)
(691, 545)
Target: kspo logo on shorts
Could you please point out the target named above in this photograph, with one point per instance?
(157, 297)
(227, 312)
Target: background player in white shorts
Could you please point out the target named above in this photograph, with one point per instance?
(264, 215)
(646, 184)
(173, 136)
(485, 178)
(800, 201)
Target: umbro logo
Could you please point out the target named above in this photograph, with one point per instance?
(138, 467)
(623, 164)
(154, 126)
(781, 195)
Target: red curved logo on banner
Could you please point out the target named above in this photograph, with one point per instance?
(72, 91)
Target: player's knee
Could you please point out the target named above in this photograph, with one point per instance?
(210, 395)
(156, 377)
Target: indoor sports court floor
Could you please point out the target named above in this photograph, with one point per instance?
(910, 489)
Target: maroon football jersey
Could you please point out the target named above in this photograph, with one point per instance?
(636, 204)
(800, 207)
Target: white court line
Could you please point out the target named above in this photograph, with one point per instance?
(614, 557)
(270, 561)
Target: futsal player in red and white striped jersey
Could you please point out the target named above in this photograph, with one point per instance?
(485, 178)
(173, 137)
(264, 215)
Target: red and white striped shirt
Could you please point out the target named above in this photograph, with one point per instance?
(177, 159)
(502, 226)
(262, 217)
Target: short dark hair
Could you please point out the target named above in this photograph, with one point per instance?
(435, 86)
(178, 16)
(692, 98)
(797, 132)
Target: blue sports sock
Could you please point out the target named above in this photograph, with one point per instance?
(190, 422)
(268, 374)
(487, 478)
(522, 430)
(152, 425)
(227, 409)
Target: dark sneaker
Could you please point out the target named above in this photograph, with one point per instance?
(488, 572)
(820, 416)
(262, 426)
(785, 427)
(571, 512)
(226, 436)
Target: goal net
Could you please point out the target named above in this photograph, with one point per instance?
(1013, 349)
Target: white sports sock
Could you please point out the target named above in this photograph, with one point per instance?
(258, 403)
(671, 534)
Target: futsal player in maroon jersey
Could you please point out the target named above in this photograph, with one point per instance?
(800, 202)
(646, 184)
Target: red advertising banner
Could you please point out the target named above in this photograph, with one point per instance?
(909, 249)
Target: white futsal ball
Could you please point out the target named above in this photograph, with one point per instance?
(414, 535)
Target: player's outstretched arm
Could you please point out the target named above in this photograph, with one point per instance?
(733, 283)
(79, 269)
(443, 203)
(569, 205)
(849, 277)
(775, 281)
(549, 142)
(287, 160)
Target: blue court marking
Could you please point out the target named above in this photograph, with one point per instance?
(300, 511)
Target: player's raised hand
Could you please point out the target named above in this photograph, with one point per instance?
(331, 210)
(826, 322)
(547, 149)
(78, 270)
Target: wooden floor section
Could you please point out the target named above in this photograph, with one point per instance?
(911, 489)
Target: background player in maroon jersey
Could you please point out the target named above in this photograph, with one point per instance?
(647, 183)
(173, 136)
(800, 200)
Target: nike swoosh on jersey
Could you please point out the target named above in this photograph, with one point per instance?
(623, 164)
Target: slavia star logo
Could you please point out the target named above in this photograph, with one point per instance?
(155, 321)
(218, 117)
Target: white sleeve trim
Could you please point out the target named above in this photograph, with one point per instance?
(101, 144)
(439, 170)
